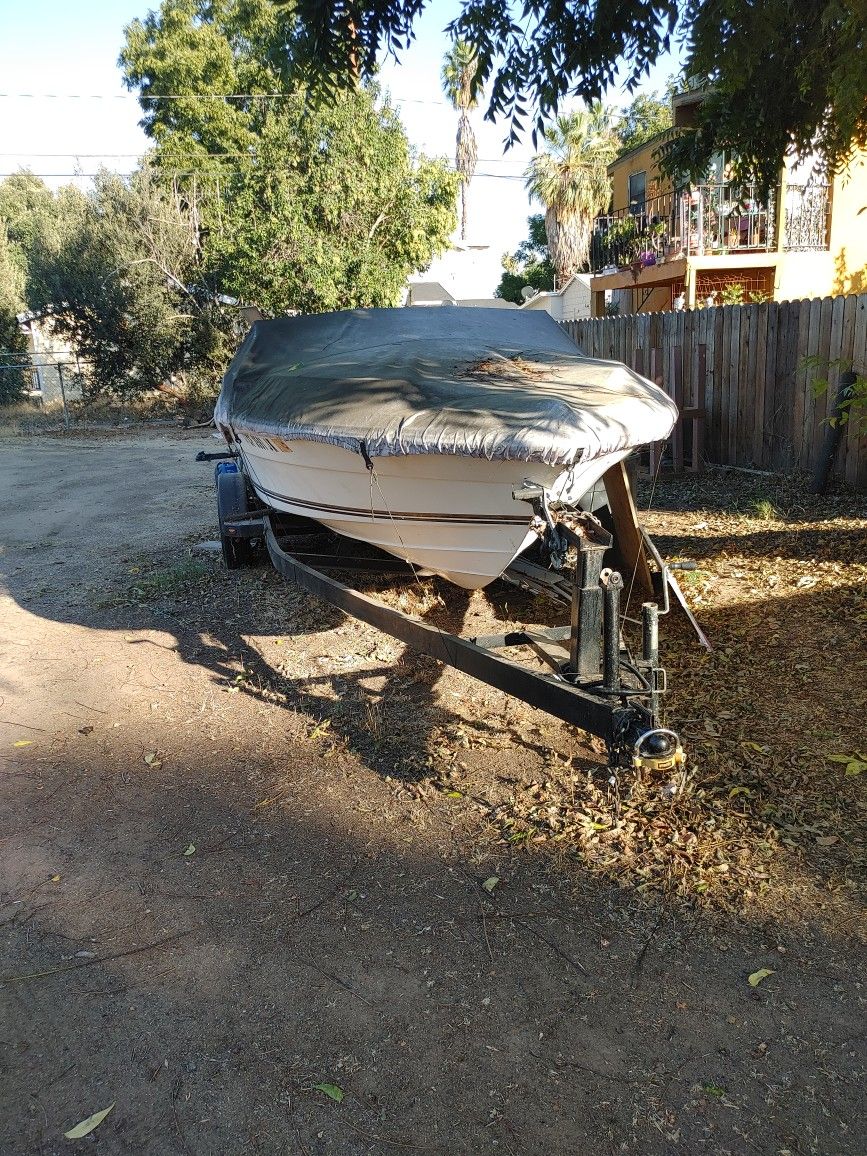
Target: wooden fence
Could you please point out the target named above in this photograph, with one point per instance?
(746, 374)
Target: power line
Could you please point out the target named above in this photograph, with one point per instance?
(140, 96)
(216, 172)
(251, 155)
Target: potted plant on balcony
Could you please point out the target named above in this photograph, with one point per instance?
(623, 241)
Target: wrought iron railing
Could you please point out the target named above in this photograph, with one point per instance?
(808, 217)
(708, 219)
(628, 236)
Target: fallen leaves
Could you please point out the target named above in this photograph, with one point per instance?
(85, 1127)
(757, 977)
(855, 764)
(332, 1091)
(153, 760)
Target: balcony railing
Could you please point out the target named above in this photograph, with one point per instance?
(707, 219)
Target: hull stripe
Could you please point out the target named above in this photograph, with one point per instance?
(397, 515)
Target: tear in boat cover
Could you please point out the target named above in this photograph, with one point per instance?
(487, 383)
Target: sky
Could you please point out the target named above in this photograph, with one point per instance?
(64, 110)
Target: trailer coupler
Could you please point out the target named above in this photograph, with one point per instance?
(658, 750)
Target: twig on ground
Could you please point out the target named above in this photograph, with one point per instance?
(487, 941)
(386, 1141)
(334, 979)
(639, 959)
(557, 950)
(95, 960)
(176, 1091)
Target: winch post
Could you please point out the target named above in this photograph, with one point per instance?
(585, 640)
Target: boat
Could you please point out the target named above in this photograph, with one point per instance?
(417, 430)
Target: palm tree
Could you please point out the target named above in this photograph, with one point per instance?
(570, 178)
(459, 69)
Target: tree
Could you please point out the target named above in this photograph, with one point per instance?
(40, 224)
(530, 264)
(788, 75)
(459, 69)
(335, 213)
(299, 207)
(13, 344)
(33, 224)
(647, 116)
(119, 270)
(570, 178)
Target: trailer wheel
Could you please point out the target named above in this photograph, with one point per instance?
(231, 501)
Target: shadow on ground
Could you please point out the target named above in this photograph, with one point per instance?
(239, 903)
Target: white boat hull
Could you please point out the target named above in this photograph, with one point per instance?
(449, 514)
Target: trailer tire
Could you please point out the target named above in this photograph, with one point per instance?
(231, 501)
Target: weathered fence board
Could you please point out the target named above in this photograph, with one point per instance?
(750, 371)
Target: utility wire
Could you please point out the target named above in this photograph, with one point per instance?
(214, 173)
(250, 155)
(191, 96)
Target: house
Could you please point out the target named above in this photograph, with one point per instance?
(55, 368)
(428, 293)
(569, 303)
(667, 246)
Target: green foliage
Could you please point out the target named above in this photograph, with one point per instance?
(734, 294)
(528, 265)
(228, 50)
(570, 178)
(13, 344)
(851, 399)
(299, 207)
(787, 74)
(39, 224)
(787, 77)
(341, 226)
(118, 270)
(646, 117)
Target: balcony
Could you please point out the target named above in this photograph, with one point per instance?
(704, 220)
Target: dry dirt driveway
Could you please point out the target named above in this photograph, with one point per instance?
(247, 923)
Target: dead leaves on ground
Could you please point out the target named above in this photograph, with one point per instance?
(86, 1126)
(768, 720)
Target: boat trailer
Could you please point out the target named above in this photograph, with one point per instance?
(589, 679)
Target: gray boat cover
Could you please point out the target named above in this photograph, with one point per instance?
(488, 383)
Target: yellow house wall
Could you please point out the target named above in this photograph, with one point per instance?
(800, 275)
(849, 229)
(641, 160)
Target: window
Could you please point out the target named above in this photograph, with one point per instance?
(637, 192)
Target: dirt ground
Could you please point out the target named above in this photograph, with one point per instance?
(271, 884)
